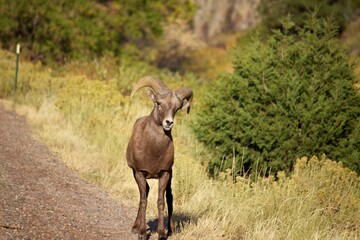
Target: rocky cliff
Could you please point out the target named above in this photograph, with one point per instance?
(216, 17)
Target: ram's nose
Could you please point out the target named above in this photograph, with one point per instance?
(168, 124)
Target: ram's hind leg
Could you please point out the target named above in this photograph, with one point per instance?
(140, 222)
(169, 201)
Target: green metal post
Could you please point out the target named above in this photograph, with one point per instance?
(17, 65)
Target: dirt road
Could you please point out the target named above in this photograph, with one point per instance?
(40, 198)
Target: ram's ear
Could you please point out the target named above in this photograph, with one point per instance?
(185, 95)
(151, 95)
(186, 105)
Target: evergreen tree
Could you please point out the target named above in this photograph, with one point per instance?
(290, 96)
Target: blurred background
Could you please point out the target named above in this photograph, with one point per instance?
(178, 35)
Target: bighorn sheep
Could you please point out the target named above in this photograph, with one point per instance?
(150, 151)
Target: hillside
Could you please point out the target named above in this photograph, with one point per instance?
(78, 63)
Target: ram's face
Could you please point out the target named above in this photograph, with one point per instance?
(167, 102)
(166, 106)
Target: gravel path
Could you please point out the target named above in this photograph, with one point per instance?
(40, 198)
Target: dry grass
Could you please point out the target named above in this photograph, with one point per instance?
(88, 123)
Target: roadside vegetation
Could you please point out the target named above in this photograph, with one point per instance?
(81, 109)
(88, 123)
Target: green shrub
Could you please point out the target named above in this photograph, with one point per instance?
(290, 96)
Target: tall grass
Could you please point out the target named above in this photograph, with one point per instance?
(88, 123)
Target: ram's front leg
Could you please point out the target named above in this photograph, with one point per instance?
(140, 222)
(163, 183)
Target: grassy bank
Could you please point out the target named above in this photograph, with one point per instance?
(88, 123)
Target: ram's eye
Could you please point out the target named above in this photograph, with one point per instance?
(159, 105)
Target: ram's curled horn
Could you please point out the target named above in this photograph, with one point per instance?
(152, 82)
(185, 93)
